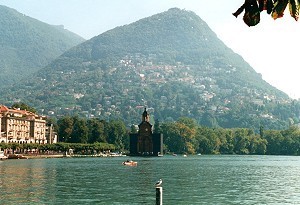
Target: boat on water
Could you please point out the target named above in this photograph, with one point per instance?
(16, 156)
(130, 163)
(2, 156)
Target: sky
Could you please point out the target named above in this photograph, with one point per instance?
(271, 47)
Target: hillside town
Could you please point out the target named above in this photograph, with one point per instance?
(200, 89)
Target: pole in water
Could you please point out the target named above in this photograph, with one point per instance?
(159, 193)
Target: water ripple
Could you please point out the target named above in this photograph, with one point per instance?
(192, 180)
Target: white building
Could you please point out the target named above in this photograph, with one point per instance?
(21, 126)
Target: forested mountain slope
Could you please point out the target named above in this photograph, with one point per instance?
(27, 45)
(172, 63)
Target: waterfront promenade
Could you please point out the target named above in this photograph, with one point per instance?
(61, 155)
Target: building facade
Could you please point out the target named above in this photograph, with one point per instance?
(145, 142)
(21, 126)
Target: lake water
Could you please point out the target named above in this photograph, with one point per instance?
(186, 180)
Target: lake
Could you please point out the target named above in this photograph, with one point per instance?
(211, 179)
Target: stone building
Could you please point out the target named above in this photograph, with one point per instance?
(21, 126)
(145, 142)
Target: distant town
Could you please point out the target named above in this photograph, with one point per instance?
(145, 72)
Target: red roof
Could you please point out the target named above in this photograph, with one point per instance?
(3, 108)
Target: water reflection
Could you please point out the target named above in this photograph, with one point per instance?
(191, 180)
(23, 180)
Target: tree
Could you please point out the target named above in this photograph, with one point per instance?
(156, 128)
(79, 132)
(187, 133)
(23, 106)
(241, 141)
(65, 128)
(180, 136)
(257, 145)
(227, 141)
(209, 120)
(209, 142)
(96, 131)
(118, 134)
(191, 123)
(274, 139)
(172, 138)
(261, 131)
(291, 142)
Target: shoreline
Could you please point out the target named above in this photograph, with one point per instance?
(42, 156)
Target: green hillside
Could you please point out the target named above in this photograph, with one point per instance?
(173, 36)
(27, 45)
(172, 63)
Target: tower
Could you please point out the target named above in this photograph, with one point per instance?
(145, 142)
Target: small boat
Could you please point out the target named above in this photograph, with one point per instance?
(2, 156)
(130, 163)
(16, 156)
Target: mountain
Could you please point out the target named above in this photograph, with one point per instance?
(172, 63)
(27, 45)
